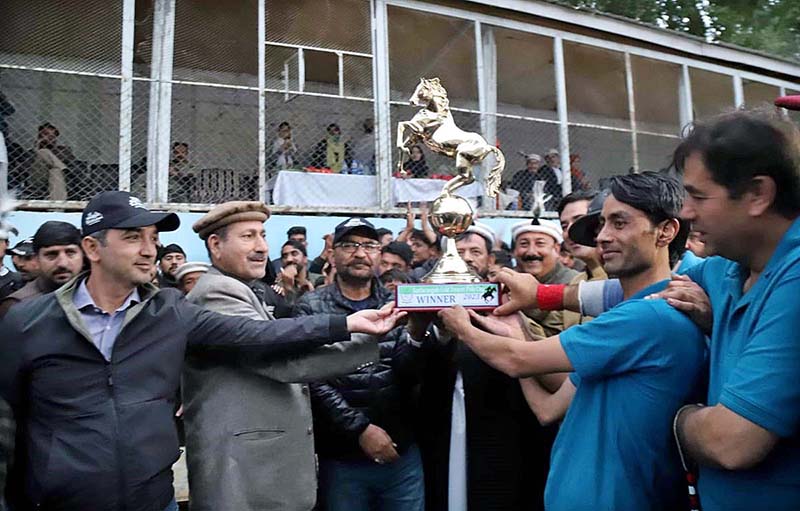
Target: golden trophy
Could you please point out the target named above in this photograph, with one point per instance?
(451, 281)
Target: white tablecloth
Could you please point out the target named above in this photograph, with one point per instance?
(313, 189)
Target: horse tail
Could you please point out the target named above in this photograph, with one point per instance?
(496, 173)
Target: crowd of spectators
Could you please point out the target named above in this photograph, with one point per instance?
(293, 383)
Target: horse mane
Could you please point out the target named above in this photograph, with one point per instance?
(439, 93)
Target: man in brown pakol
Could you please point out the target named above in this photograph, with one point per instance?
(249, 432)
(57, 249)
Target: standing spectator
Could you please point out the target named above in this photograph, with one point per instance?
(50, 164)
(395, 256)
(332, 152)
(385, 236)
(295, 233)
(188, 274)
(10, 281)
(58, 254)
(294, 279)
(579, 181)
(524, 180)
(536, 247)
(364, 148)
(99, 361)
(364, 420)
(284, 150)
(170, 258)
(482, 447)
(24, 259)
(416, 166)
(182, 175)
(249, 436)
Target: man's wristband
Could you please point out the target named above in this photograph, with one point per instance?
(550, 297)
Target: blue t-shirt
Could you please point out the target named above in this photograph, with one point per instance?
(754, 371)
(636, 365)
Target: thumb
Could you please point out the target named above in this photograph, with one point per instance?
(506, 309)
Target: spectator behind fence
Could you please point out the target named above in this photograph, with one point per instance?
(364, 421)
(284, 150)
(364, 149)
(182, 174)
(57, 250)
(249, 436)
(525, 179)
(50, 163)
(332, 152)
(24, 259)
(416, 166)
(579, 181)
(99, 361)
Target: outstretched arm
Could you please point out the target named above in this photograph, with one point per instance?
(548, 407)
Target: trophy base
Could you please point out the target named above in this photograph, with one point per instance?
(431, 297)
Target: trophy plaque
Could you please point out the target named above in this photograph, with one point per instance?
(451, 282)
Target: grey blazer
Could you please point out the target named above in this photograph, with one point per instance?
(249, 436)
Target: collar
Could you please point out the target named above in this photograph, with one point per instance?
(82, 299)
(4, 271)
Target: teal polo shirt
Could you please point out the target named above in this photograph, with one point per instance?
(636, 365)
(754, 371)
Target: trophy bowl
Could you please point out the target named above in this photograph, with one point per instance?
(451, 215)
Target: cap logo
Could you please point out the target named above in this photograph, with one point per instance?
(93, 218)
(134, 202)
(353, 222)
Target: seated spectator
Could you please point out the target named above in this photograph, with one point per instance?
(364, 149)
(385, 235)
(395, 256)
(284, 150)
(182, 179)
(332, 152)
(392, 277)
(579, 181)
(416, 166)
(24, 259)
(524, 180)
(188, 274)
(47, 174)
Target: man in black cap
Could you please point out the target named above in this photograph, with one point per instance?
(170, 258)
(58, 254)
(364, 421)
(24, 259)
(91, 369)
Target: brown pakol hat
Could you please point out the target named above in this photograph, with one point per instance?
(229, 213)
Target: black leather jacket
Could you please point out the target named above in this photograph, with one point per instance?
(382, 394)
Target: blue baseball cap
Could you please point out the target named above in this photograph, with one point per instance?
(121, 210)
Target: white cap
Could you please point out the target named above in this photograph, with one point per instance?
(548, 227)
(483, 230)
(192, 267)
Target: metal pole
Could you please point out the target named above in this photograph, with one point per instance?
(262, 106)
(685, 101)
(126, 95)
(738, 91)
(563, 123)
(632, 110)
(381, 93)
(481, 77)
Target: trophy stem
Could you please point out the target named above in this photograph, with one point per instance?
(451, 269)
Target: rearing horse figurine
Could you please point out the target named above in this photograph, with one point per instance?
(433, 125)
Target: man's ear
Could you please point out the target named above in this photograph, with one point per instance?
(213, 245)
(90, 248)
(667, 231)
(760, 195)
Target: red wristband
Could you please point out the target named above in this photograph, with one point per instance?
(550, 297)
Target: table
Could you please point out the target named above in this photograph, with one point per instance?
(316, 189)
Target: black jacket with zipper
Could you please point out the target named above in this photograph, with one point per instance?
(97, 434)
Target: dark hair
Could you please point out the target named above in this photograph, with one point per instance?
(467, 234)
(657, 195)
(738, 146)
(394, 274)
(222, 232)
(176, 144)
(331, 126)
(296, 229)
(502, 258)
(47, 125)
(400, 249)
(576, 196)
(419, 234)
(383, 231)
(54, 232)
(294, 244)
(284, 123)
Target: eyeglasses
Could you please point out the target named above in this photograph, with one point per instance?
(351, 246)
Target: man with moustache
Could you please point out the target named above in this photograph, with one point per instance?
(482, 447)
(249, 432)
(536, 246)
(24, 259)
(170, 258)
(364, 421)
(56, 246)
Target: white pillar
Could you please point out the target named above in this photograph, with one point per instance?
(685, 102)
(561, 107)
(384, 145)
(632, 111)
(126, 95)
(738, 91)
(262, 107)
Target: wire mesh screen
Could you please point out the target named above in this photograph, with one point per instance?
(655, 90)
(57, 35)
(712, 93)
(139, 120)
(602, 153)
(758, 94)
(214, 144)
(330, 24)
(62, 134)
(596, 90)
(655, 152)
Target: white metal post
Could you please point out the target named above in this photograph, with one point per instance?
(632, 110)
(685, 102)
(340, 64)
(563, 121)
(159, 118)
(381, 94)
(486, 74)
(262, 106)
(126, 95)
(738, 91)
